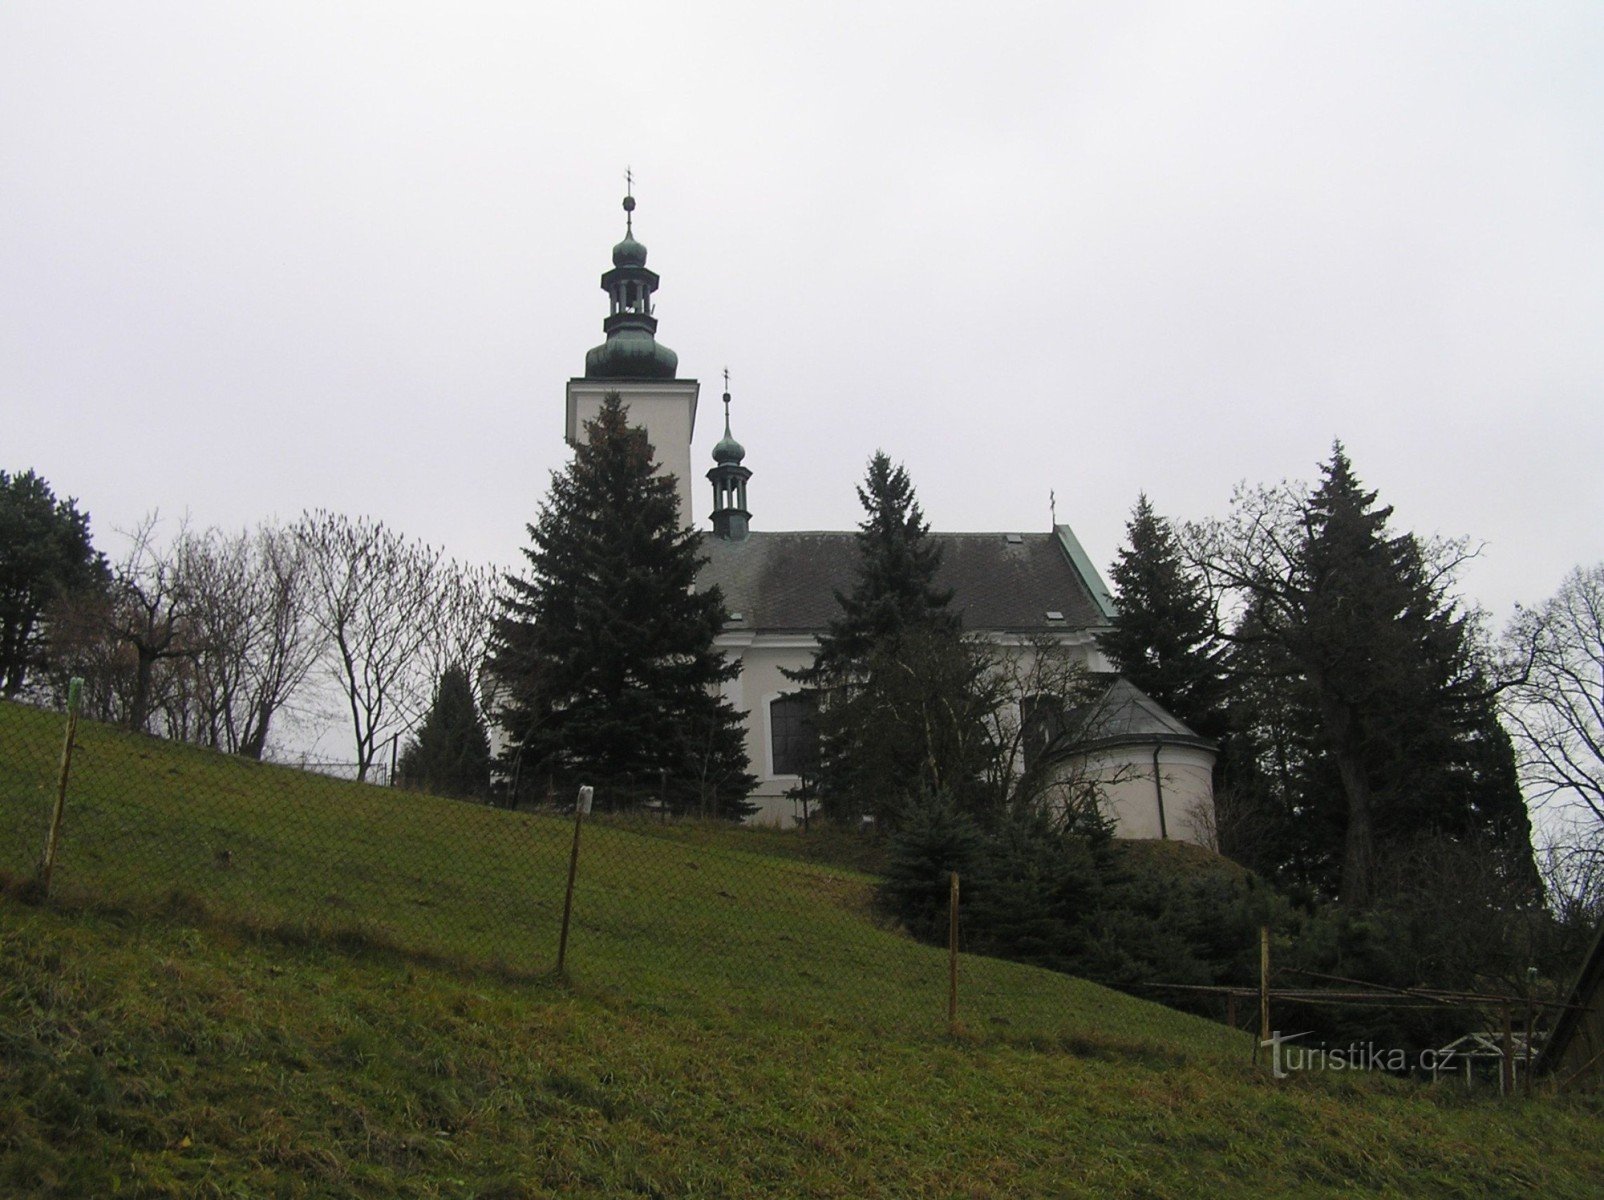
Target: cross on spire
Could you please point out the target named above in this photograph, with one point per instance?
(629, 201)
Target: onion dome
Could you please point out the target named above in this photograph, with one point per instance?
(727, 449)
(629, 252)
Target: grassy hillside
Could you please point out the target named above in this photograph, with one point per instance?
(736, 1027)
(708, 916)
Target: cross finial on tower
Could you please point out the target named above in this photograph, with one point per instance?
(629, 201)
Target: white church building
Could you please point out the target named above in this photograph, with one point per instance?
(1016, 588)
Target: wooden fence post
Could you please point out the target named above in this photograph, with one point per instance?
(1506, 1069)
(1264, 989)
(1531, 1024)
(581, 807)
(47, 861)
(952, 956)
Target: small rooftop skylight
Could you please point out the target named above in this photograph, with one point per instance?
(1014, 539)
(737, 616)
(1054, 615)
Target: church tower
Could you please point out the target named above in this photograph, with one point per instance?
(730, 516)
(633, 363)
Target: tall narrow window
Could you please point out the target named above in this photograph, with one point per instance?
(795, 738)
(1042, 726)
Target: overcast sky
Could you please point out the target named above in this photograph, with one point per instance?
(256, 258)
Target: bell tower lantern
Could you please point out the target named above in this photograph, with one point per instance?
(633, 363)
(730, 516)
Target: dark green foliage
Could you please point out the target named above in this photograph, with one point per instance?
(890, 660)
(1142, 915)
(1366, 719)
(1029, 889)
(1445, 924)
(45, 555)
(1037, 895)
(897, 564)
(605, 649)
(935, 838)
(1162, 638)
(1171, 914)
(451, 754)
(1035, 890)
(911, 723)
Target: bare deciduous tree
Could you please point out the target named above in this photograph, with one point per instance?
(256, 639)
(1044, 713)
(153, 614)
(459, 635)
(1572, 865)
(1556, 708)
(374, 596)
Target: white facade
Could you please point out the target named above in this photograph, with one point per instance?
(666, 408)
(1156, 790)
(1149, 788)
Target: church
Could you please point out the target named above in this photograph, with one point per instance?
(1019, 589)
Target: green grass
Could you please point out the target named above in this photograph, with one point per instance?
(357, 1004)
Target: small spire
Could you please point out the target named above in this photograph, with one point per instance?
(629, 202)
(1052, 506)
(730, 518)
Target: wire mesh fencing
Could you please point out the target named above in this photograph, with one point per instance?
(663, 910)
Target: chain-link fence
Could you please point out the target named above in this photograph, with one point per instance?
(665, 909)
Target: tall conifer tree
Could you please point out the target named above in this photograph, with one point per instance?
(1402, 742)
(897, 564)
(894, 621)
(605, 649)
(451, 754)
(1162, 638)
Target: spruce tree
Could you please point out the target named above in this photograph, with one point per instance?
(450, 755)
(897, 564)
(1392, 732)
(1162, 638)
(879, 662)
(604, 651)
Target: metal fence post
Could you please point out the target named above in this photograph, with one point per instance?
(47, 862)
(581, 807)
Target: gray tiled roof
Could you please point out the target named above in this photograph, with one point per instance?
(786, 582)
(1126, 713)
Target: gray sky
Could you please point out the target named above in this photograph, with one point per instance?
(261, 257)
